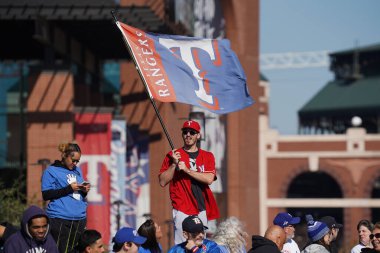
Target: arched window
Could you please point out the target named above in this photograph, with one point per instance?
(376, 195)
(314, 185)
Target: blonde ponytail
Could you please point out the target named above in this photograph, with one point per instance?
(69, 147)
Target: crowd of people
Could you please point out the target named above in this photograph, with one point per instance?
(34, 235)
(189, 171)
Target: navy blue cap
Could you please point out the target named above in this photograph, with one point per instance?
(285, 219)
(193, 224)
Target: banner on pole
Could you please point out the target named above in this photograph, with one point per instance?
(118, 174)
(137, 182)
(93, 134)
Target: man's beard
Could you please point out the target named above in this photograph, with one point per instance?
(291, 236)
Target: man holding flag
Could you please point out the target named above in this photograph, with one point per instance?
(189, 170)
(195, 71)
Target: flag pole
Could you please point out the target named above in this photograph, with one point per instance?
(146, 87)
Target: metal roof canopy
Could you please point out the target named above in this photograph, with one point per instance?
(364, 49)
(88, 21)
(334, 106)
(339, 97)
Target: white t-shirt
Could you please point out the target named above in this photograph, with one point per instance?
(357, 248)
(290, 247)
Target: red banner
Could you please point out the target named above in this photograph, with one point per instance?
(93, 134)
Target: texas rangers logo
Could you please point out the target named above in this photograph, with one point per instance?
(197, 220)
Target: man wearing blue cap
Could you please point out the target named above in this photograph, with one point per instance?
(287, 222)
(127, 240)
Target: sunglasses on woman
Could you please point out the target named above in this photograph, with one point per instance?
(75, 160)
(377, 235)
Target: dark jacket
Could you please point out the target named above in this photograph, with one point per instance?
(368, 250)
(263, 245)
(22, 241)
(9, 230)
(207, 247)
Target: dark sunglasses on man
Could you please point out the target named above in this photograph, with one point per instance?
(377, 235)
(192, 132)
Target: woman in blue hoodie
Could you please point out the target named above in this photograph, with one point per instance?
(34, 234)
(63, 185)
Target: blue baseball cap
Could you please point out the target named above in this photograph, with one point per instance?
(128, 235)
(285, 219)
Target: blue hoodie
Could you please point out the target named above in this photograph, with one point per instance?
(23, 242)
(207, 247)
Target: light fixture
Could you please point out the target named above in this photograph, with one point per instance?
(356, 121)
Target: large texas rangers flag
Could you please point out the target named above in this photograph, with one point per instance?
(196, 71)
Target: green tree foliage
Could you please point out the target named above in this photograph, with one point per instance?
(12, 202)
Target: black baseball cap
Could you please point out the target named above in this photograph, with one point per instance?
(331, 222)
(193, 224)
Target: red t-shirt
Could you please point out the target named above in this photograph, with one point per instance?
(180, 186)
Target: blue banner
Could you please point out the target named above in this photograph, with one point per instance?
(196, 71)
(136, 183)
(118, 174)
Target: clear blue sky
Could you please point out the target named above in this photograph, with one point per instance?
(302, 25)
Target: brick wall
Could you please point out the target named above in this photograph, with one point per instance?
(49, 122)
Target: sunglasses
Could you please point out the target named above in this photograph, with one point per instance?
(377, 235)
(74, 160)
(192, 132)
